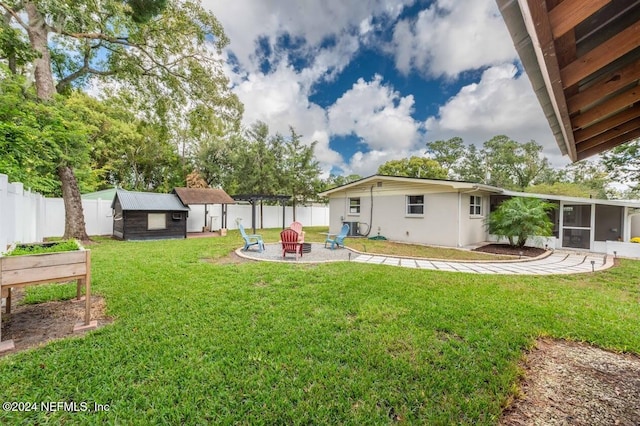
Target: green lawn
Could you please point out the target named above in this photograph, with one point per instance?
(195, 342)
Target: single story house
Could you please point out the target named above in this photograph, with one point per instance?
(148, 216)
(452, 214)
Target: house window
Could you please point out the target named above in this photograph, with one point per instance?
(156, 221)
(354, 205)
(415, 204)
(475, 205)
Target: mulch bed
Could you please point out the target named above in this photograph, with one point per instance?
(506, 249)
(573, 383)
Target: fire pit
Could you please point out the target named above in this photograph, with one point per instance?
(306, 247)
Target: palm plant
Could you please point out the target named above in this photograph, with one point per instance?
(519, 218)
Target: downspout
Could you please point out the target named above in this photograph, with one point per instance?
(370, 212)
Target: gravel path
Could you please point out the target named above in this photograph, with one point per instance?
(318, 254)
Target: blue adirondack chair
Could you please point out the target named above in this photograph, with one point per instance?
(251, 239)
(337, 239)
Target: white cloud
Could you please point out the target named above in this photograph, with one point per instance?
(502, 102)
(379, 116)
(280, 100)
(452, 36)
(245, 21)
(367, 163)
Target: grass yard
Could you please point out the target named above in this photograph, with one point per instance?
(195, 342)
(390, 248)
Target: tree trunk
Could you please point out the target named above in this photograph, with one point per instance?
(38, 32)
(294, 209)
(74, 226)
(38, 37)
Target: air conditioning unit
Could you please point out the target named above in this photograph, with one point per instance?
(354, 230)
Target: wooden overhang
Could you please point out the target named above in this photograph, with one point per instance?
(583, 60)
(203, 196)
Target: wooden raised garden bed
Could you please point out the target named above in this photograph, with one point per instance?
(30, 269)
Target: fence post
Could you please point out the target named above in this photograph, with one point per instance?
(4, 205)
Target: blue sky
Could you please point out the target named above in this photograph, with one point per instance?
(373, 80)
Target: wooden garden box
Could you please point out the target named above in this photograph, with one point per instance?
(31, 269)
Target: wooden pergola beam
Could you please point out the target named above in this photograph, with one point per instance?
(607, 52)
(607, 84)
(608, 135)
(624, 99)
(611, 143)
(607, 124)
(570, 13)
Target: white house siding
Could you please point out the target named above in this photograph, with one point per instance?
(389, 212)
(472, 229)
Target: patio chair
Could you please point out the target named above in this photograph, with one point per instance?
(290, 243)
(297, 226)
(337, 239)
(251, 239)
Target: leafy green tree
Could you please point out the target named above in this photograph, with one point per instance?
(417, 167)
(622, 164)
(301, 170)
(334, 181)
(215, 159)
(511, 164)
(519, 218)
(447, 153)
(36, 137)
(163, 52)
(472, 167)
(562, 188)
(256, 171)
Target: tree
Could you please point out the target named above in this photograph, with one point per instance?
(334, 181)
(519, 218)
(447, 153)
(159, 50)
(562, 188)
(301, 170)
(472, 168)
(417, 167)
(36, 137)
(511, 164)
(622, 163)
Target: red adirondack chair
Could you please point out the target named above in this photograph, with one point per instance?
(290, 243)
(297, 226)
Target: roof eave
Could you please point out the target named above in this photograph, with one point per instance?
(542, 70)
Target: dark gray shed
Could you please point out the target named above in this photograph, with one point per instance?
(148, 216)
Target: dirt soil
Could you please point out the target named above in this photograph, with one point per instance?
(506, 249)
(33, 325)
(569, 383)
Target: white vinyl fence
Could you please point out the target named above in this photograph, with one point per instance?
(27, 217)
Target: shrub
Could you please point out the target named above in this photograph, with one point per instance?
(60, 246)
(519, 218)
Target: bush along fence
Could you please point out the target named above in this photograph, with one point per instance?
(27, 217)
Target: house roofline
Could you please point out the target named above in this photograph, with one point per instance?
(579, 200)
(455, 184)
(463, 185)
